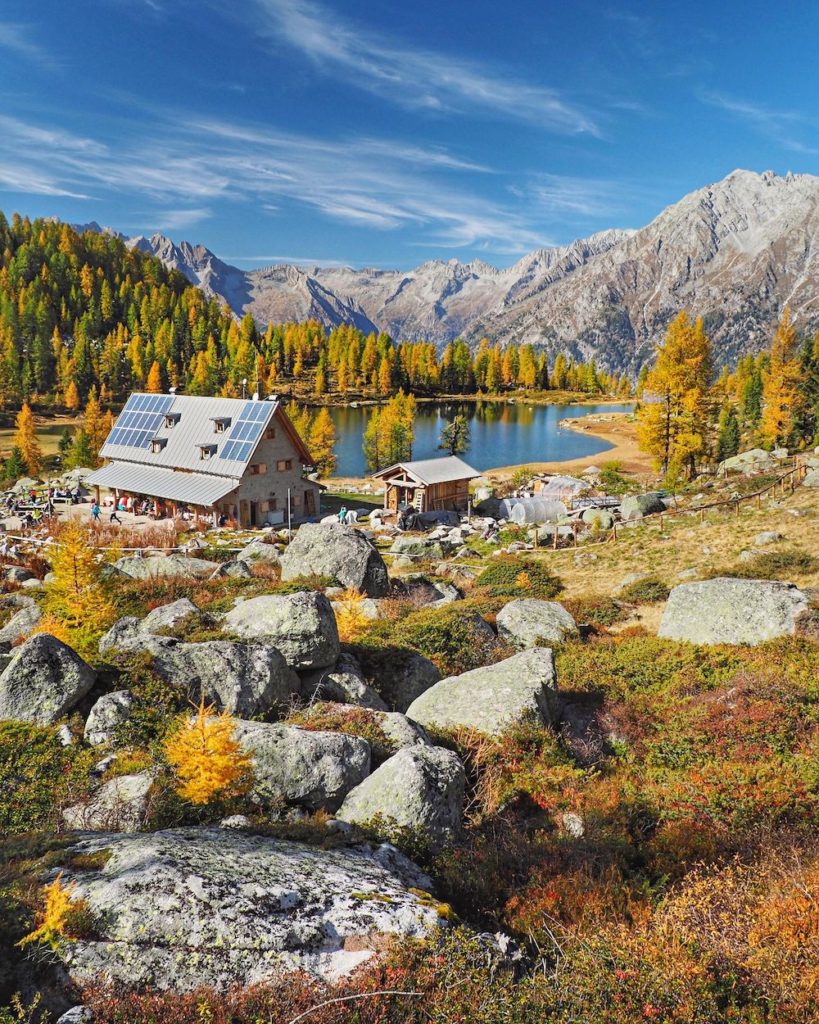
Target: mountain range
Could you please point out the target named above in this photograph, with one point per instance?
(735, 252)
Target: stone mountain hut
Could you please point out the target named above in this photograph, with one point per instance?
(217, 456)
(429, 485)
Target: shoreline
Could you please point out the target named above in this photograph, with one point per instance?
(617, 428)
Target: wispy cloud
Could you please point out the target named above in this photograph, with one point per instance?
(782, 126)
(17, 39)
(415, 78)
(185, 165)
(557, 195)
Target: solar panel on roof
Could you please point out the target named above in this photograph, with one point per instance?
(139, 420)
(245, 432)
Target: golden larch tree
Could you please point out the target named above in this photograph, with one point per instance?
(672, 422)
(77, 595)
(96, 424)
(72, 397)
(154, 382)
(53, 922)
(206, 757)
(321, 442)
(782, 395)
(25, 439)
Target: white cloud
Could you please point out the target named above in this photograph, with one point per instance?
(781, 126)
(415, 78)
(17, 39)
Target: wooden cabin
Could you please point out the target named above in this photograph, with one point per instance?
(429, 485)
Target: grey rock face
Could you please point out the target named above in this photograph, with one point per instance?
(330, 549)
(402, 732)
(23, 621)
(234, 569)
(311, 769)
(490, 699)
(165, 565)
(421, 788)
(44, 681)
(111, 710)
(124, 635)
(76, 1015)
(528, 622)
(344, 683)
(419, 547)
(600, 517)
(635, 506)
(405, 678)
(302, 626)
(734, 611)
(189, 907)
(119, 805)
(258, 550)
(811, 478)
(169, 616)
(242, 678)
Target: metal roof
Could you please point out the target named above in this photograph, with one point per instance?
(143, 420)
(434, 471)
(190, 488)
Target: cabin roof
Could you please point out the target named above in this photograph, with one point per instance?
(433, 471)
(170, 484)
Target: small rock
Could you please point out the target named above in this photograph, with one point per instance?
(120, 805)
(44, 681)
(110, 711)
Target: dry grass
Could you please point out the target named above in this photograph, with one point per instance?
(685, 544)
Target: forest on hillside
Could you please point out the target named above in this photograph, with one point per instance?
(83, 312)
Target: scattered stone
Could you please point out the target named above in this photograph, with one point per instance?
(599, 517)
(636, 506)
(345, 684)
(416, 548)
(528, 622)
(573, 824)
(192, 907)
(340, 552)
(44, 681)
(233, 569)
(688, 574)
(110, 711)
(630, 579)
(420, 788)
(23, 621)
(17, 574)
(77, 1015)
(169, 616)
(165, 565)
(767, 537)
(734, 611)
(309, 768)
(236, 821)
(811, 478)
(490, 699)
(406, 676)
(65, 736)
(259, 550)
(302, 626)
(120, 805)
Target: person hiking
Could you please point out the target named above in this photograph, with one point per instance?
(342, 514)
(95, 512)
(114, 518)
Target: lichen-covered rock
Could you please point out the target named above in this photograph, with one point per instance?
(529, 622)
(234, 569)
(124, 635)
(44, 680)
(23, 621)
(402, 731)
(309, 768)
(734, 611)
(420, 547)
(343, 683)
(420, 788)
(169, 616)
(243, 678)
(120, 805)
(341, 552)
(490, 699)
(259, 550)
(302, 626)
(599, 517)
(811, 478)
(635, 506)
(110, 711)
(165, 565)
(404, 677)
(193, 907)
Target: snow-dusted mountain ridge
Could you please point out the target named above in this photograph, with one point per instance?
(734, 252)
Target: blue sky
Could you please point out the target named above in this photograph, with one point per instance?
(374, 132)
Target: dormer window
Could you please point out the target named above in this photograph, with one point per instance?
(171, 419)
(207, 451)
(158, 444)
(220, 424)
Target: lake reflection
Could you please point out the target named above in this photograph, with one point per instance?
(502, 434)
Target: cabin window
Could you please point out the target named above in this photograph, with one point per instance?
(284, 465)
(221, 424)
(258, 469)
(206, 451)
(270, 434)
(158, 444)
(271, 503)
(296, 500)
